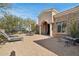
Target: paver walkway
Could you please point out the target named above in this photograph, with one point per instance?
(26, 47)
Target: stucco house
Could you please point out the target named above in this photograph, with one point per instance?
(53, 23)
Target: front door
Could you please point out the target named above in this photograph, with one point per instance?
(48, 33)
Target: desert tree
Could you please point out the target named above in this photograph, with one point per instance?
(74, 32)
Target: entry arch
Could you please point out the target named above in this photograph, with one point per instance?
(45, 28)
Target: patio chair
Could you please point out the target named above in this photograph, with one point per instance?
(30, 33)
(71, 40)
(10, 38)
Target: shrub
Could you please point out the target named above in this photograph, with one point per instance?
(74, 32)
(2, 38)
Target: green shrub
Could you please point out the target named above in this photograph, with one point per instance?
(2, 38)
(74, 32)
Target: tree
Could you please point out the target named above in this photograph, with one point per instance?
(2, 5)
(29, 23)
(74, 32)
(3, 11)
(9, 22)
(4, 8)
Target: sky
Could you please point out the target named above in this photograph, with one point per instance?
(32, 10)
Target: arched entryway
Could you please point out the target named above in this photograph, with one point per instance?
(45, 28)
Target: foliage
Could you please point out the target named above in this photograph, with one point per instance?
(4, 8)
(2, 38)
(2, 5)
(74, 32)
(9, 22)
(29, 22)
(37, 29)
(13, 23)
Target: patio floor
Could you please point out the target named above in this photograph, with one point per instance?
(59, 47)
(26, 47)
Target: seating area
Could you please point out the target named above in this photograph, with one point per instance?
(10, 38)
(30, 33)
(70, 40)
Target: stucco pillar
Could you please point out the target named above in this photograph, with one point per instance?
(51, 30)
(40, 29)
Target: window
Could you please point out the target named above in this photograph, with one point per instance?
(61, 26)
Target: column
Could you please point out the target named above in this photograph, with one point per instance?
(40, 29)
(51, 30)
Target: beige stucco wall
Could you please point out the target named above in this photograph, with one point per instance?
(67, 18)
(51, 16)
(59, 19)
(46, 16)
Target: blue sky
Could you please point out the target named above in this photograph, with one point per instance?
(31, 10)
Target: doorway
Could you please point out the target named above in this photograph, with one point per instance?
(45, 28)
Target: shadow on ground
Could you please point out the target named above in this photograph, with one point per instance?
(58, 48)
(13, 53)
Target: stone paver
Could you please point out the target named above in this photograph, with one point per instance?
(26, 47)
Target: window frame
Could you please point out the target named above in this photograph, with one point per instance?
(61, 25)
